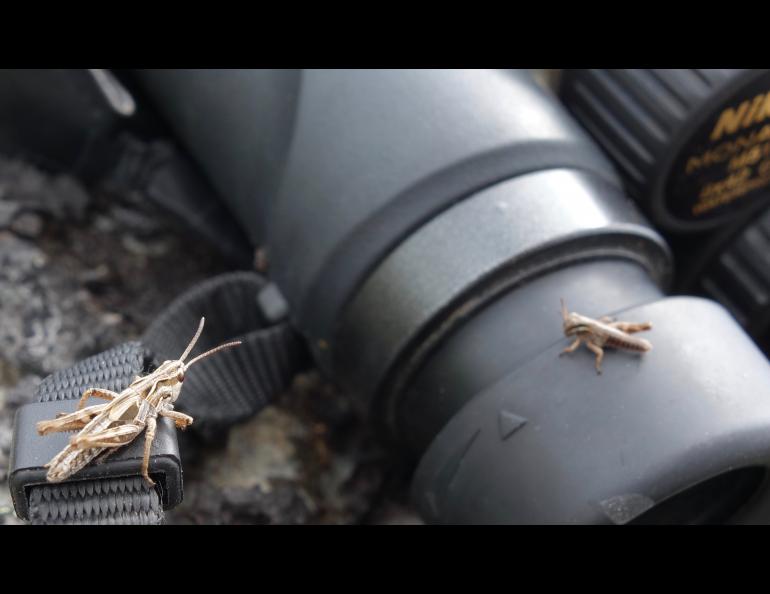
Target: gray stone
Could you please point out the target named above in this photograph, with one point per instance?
(62, 196)
(8, 212)
(27, 224)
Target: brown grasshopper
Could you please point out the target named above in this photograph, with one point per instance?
(104, 428)
(603, 332)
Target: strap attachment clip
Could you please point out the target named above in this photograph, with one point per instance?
(30, 452)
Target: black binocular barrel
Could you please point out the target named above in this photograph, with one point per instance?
(329, 170)
(423, 226)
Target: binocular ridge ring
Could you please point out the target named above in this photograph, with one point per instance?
(447, 269)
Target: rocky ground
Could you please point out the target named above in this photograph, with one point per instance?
(81, 271)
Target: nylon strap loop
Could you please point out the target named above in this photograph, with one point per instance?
(236, 383)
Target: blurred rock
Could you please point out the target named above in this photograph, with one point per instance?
(207, 504)
(7, 515)
(8, 212)
(27, 224)
(258, 453)
(282, 467)
(21, 393)
(151, 247)
(138, 222)
(95, 277)
(61, 196)
(394, 513)
(71, 198)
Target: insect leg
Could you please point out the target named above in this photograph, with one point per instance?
(148, 439)
(631, 327)
(181, 420)
(69, 421)
(571, 348)
(109, 438)
(595, 348)
(67, 462)
(96, 393)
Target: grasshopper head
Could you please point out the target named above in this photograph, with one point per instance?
(176, 371)
(170, 375)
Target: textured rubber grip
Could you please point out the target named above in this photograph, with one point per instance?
(634, 113)
(107, 501)
(235, 383)
(662, 128)
(739, 277)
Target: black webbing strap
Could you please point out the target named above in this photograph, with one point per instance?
(236, 383)
(218, 391)
(106, 501)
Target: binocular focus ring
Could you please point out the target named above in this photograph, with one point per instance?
(450, 268)
(692, 144)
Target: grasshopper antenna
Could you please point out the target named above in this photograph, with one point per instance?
(563, 310)
(193, 341)
(212, 351)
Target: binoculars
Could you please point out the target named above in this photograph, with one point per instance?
(424, 227)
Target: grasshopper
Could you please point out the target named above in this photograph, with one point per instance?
(603, 332)
(104, 428)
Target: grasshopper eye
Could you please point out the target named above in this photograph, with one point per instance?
(180, 377)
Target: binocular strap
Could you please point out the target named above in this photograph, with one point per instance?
(219, 391)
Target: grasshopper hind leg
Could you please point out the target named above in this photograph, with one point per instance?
(110, 438)
(632, 327)
(73, 421)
